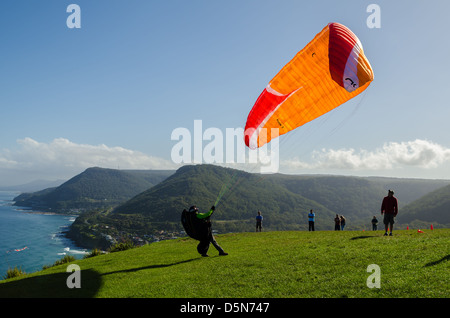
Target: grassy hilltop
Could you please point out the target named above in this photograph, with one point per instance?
(259, 265)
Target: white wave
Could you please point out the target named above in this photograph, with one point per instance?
(56, 236)
(79, 252)
(67, 249)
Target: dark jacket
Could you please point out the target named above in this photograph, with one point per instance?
(389, 205)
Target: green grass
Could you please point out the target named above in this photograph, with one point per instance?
(267, 265)
(13, 272)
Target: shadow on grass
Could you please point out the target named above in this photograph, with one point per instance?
(362, 237)
(131, 270)
(445, 258)
(52, 286)
(55, 285)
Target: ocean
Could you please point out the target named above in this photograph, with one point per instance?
(30, 240)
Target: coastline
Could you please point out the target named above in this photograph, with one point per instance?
(30, 210)
(33, 239)
(66, 233)
(40, 212)
(69, 232)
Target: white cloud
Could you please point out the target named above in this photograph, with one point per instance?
(420, 154)
(62, 158)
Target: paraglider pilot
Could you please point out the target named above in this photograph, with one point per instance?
(203, 227)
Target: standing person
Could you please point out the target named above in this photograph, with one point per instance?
(259, 219)
(389, 207)
(342, 222)
(337, 223)
(374, 223)
(311, 220)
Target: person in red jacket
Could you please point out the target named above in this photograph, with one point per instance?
(389, 208)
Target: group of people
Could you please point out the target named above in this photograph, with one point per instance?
(339, 221)
(389, 208)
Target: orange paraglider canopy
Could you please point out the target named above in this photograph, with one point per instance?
(326, 73)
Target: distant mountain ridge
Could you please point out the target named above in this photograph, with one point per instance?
(33, 186)
(283, 199)
(434, 207)
(145, 200)
(201, 185)
(147, 203)
(95, 187)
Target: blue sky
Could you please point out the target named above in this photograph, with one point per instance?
(112, 92)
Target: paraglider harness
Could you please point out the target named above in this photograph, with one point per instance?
(196, 228)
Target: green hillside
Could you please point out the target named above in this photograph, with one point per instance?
(356, 198)
(409, 189)
(287, 264)
(95, 187)
(123, 204)
(434, 208)
(246, 194)
(283, 199)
